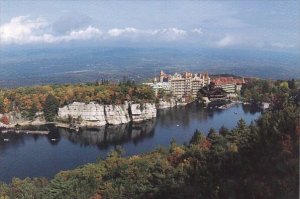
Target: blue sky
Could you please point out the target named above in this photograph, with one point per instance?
(272, 25)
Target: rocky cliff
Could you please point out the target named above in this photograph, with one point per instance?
(94, 114)
(140, 112)
(117, 114)
(166, 104)
(91, 114)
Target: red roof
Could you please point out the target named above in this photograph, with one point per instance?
(227, 80)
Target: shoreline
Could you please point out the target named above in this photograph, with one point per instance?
(12, 128)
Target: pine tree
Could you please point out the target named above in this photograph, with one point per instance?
(292, 84)
(32, 111)
(50, 108)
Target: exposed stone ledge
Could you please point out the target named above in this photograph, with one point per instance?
(94, 114)
(166, 104)
(117, 114)
(97, 115)
(91, 114)
(140, 112)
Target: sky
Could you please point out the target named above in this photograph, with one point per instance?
(271, 25)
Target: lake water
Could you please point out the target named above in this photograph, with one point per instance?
(26, 155)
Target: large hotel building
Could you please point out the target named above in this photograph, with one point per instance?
(229, 84)
(182, 85)
(188, 84)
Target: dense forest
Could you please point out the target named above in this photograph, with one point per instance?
(29, 100)
(259, 90)
(260, 160)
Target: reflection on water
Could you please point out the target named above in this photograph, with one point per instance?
(194, 112)
(110, 135)
(102, 137)
(184, 115)
(33, 155)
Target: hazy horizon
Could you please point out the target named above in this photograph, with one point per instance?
(72, 41)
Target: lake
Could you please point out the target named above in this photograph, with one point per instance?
(27, 155)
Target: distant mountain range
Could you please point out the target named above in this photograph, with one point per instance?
(23, 67)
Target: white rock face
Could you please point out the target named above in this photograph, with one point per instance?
(181, 103)
(117, 114)
(144, 112)
(166, 104)
(92, 114)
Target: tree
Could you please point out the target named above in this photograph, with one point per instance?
(32, 111)
(284, 86)
(265, 87)
(211, 133)
(292, 84)
(6, 105)
(5, 120)
(50, 108)
(224, 131)
(117, 152)
(241, 125)
(200, 97)
(1, 104)
(197, 137)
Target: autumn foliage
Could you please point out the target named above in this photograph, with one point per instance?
(32, 99)
(260, 160)
(5, 120)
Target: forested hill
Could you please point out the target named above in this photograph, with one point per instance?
(29, 100)
(260, 160)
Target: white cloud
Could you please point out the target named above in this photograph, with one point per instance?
(197, 30)
(226, 41)
(118, 32)
(170, 33)
(85, 34)
(21, 30)
(157, 34)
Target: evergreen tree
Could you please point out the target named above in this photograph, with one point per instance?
(32, 111)
(197, 137)
(1, 105)
(224, 131)
(241, 125)
(50, 108)
(292, 84)
(211, 133)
